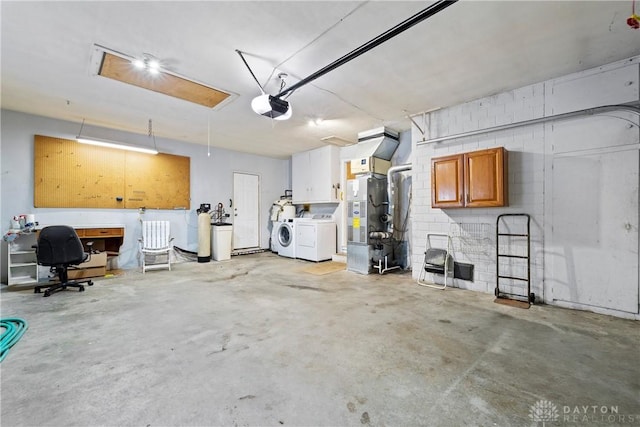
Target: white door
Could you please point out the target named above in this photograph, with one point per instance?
(594, 234)
(246, 211)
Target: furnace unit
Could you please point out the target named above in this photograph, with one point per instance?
(370, 242)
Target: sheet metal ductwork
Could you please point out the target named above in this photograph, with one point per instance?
(380, 142)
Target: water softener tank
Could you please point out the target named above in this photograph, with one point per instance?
(204, 237)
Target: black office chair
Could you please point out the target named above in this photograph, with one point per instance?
(60, 247)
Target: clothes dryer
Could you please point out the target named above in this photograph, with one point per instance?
(315, 238)
(287, 239)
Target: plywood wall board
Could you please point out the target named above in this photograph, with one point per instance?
(72, 175)
(68, 174)
(158, 182)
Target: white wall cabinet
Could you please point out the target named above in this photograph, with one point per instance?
(23, 268)
(315, 175)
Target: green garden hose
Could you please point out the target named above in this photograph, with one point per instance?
(14, 328)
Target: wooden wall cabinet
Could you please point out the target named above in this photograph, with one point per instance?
(474, 180)
(447, 182)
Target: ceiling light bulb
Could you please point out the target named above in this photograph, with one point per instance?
(138, 63)
(153, 64)
(154, 71)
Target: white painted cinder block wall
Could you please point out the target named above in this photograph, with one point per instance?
(529, 150)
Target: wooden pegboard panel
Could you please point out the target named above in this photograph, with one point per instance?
(72, 175)
(157, 182)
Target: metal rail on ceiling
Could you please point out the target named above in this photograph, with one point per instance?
(392, 32)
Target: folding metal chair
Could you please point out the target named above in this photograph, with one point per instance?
(437, 261)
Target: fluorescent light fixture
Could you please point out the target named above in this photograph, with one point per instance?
(270, 106)
(110, 144)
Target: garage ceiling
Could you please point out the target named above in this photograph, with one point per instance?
(470, 50)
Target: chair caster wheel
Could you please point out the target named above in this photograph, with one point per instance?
(47, 293)
(81, 289)
(90, 283)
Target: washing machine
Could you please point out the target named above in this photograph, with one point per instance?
(275, 244)
(287, 238)
(315, 237)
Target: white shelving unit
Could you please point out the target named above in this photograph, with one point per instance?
(23, 268)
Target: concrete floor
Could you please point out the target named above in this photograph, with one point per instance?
(256, 341)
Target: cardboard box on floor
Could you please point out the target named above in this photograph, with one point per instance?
(95, 267)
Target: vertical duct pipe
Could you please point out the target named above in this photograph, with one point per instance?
(390, 207)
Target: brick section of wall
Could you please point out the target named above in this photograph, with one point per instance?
(527, 148)
(474, 230)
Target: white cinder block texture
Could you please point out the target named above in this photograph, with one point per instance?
(531, 150)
